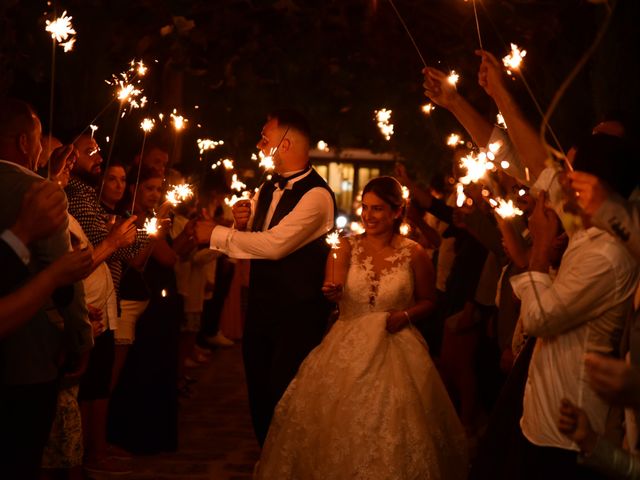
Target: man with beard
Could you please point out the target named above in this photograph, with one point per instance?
(29, 354)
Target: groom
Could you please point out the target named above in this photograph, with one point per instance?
(287, 222)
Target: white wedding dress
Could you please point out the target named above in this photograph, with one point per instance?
(366, 404)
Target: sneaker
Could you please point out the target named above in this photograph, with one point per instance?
(109, 465)
(219, 340)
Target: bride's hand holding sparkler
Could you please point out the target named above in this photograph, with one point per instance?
(438, 88)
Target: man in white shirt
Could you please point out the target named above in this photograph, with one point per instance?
(282, 231)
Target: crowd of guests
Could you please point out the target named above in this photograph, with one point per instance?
(102, 320)
(530, 319)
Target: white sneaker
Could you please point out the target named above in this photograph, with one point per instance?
(219, 340)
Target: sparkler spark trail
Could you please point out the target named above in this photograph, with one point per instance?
(236, 184)
(513, 60)
(476, 165)
(179, 193)
(246, 195)
(265, 161)
(383, 117)
(460, 196)
(93, 130)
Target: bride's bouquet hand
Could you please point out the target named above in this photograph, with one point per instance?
(332, 292)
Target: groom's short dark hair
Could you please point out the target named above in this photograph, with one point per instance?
(292, 119)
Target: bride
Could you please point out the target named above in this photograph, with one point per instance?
(368, 403)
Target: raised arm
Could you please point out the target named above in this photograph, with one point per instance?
(524, 137)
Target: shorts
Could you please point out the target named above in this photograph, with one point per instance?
(130, 312)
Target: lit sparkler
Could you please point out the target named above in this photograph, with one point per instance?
(333, 240)
(427, 108)
(93, 130)
(179, 193)
(322, 146)
(383, 117)
(265, 161)
(151, 226)
(500, 121)
(454, 139)
(178, 121)
(453, 77)
(506, 209)
(61, 29)
(405, 192)
(147, 125)
(405, 229)
(246, 195)
(237, 184)
(476, 165)
(227, 163)
(513, 60)
(460, 196)
(205, 144)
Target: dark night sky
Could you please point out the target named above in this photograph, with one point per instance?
(336, 61)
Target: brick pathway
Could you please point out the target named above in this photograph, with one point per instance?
(216, 438)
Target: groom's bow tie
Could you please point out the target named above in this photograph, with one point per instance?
(281, 181)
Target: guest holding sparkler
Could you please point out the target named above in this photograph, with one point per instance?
(371, 377)
(287, 219)
(30, 363)
(143, 413)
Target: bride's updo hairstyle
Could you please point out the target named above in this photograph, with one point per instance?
(389, 190)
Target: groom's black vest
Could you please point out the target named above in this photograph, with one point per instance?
(298, 277)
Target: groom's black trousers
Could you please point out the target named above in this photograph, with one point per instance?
(276, 340)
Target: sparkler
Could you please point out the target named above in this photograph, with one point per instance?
(405, 229)
(265, 161)
(146, 125)
(246, 195)
(505, 209)
(477, 166)
(500, 121)
(93, 130)
(383, 117)
(405, 192)
(179, 193)
(453, 77)
(475, 14)
(206, 144)
(322, 146)
(333, 240)
(178, 121)
(151, 226)
(427, 108)
(513, 60)
(60, 30)
(454, 139)
(237, 184)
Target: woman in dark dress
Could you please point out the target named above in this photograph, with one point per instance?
(144, 405)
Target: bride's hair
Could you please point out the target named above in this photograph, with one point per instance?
(390, 191)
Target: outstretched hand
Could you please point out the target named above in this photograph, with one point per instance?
(490, 74)
(438, 88)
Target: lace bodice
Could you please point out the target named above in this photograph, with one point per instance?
(370, 289)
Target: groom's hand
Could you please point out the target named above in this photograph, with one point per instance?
(396, 321)
(332, 292)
